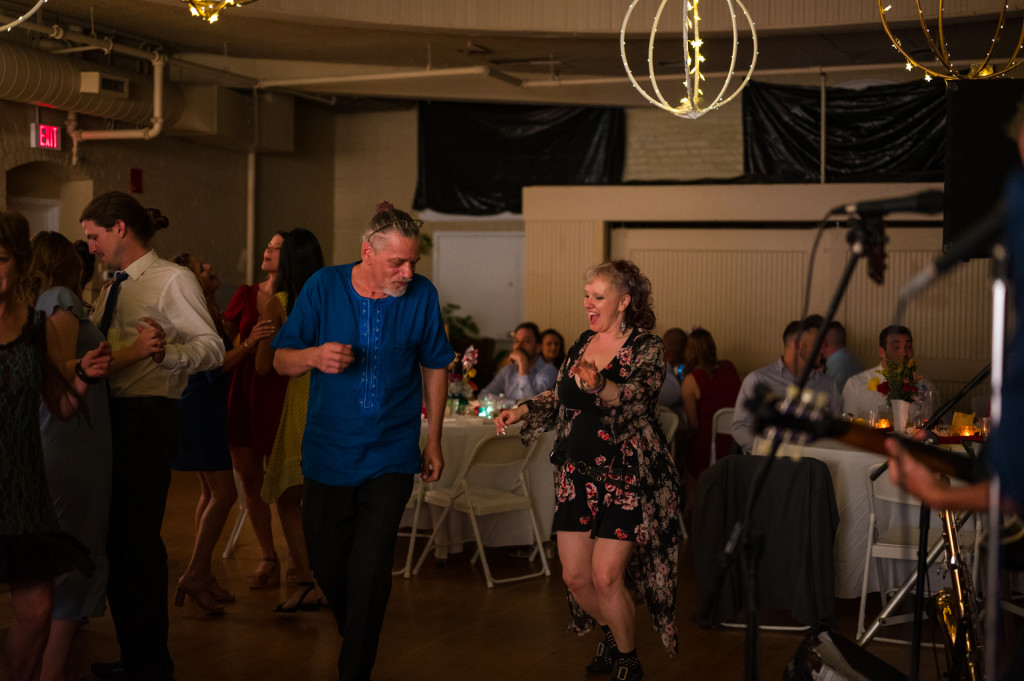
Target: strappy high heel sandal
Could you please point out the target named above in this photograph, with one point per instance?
(200, 594)
(261, 579)
(301, 604)
(219, 593)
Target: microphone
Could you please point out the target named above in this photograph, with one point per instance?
(979, 237)
(931, 201)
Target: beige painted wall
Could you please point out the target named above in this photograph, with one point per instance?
(201, 188)
(297, 189)
(375, 160)
(745, 285)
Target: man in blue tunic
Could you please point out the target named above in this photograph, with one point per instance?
(367, 332)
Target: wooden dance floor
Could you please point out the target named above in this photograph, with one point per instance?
(442, 625)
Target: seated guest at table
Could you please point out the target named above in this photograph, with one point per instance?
(617, 488)
(895, 344)
(710, 384)
(779, 375)
(840, 363)
(671, 395)
(527, 373)
(552, 347)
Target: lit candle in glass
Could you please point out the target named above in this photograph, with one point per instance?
(883, 424)
(966, 431)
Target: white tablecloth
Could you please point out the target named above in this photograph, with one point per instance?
(459, 437)
(849, 468)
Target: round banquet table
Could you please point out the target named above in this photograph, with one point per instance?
(849, 468)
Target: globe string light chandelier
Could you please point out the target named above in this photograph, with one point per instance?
(694, 103)
(210, 9)
(945, 68)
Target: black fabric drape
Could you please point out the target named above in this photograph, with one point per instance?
(475, 159)
(796, 515)
(877, 134)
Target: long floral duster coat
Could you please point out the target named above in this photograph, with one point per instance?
(634, 426)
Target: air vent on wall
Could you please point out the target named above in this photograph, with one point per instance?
(96, 83)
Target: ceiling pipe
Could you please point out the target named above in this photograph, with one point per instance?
(108, 45)
(393, 75)
(78, 135)
(157, 122)
(615, 80)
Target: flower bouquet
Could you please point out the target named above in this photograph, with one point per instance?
(901, 383)
(900, 387)
(460, 372)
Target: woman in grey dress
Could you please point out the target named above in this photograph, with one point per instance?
(77, 451)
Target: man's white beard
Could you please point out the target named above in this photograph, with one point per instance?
(396, 292)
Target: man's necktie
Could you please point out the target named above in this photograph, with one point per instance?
(108, 309)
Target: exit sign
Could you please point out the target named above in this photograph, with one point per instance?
(45, 136)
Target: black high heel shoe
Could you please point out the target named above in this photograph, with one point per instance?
(301, 604)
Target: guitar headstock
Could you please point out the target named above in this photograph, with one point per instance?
(797, 417)
(800, 418)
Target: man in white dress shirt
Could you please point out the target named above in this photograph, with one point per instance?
(160, 331)
(895, 343)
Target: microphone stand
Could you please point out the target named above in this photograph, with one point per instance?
(1000, 277)
(863, 235)
(1000, 282)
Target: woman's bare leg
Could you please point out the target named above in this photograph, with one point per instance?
(250, 472)
(289, 511)
(32, 606)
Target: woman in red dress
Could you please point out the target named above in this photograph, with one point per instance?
(710, 384)
(254, 410)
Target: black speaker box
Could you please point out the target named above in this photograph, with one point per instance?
(979, 153)
(827, 654)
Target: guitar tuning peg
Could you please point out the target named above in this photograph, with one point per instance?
(764, 445)
(791, 392)
(820, 401)
(807, 396)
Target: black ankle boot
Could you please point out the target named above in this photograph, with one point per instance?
(605, 656)
(627, 668)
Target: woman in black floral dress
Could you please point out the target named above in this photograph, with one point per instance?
(617, 488)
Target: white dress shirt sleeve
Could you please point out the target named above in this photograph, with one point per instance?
(192, 344)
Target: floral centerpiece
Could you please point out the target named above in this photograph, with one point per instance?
(460, 374)
(901, 386)
(900, 382)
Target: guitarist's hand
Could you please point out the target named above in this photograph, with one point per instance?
(914, 476)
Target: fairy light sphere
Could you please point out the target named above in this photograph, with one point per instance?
(694, 103)
(944, 67)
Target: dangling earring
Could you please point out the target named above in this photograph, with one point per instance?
(622, 327)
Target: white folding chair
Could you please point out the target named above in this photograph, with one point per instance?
(243, 513)
(415, 503)
(898, 541)
(669, 421)
(491, 454)
(721, 424)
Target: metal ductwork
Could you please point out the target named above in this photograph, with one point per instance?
(35, 77)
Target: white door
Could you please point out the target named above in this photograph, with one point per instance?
(482, 273)
(43, 215)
